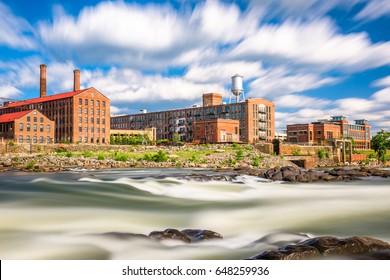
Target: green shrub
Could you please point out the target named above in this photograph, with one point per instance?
(87, 154)
(69, 154)
(61, 150)
(161, 156)
(121, 157)
(297, 152)
(321, 153)
(256, 161)
(327, 154)
(235, 146)
(101, 157)
(239, 155)
(30, 165)
(16, 159)
(193, 158)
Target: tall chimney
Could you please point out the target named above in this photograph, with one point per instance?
(42, 85)
(76, 82)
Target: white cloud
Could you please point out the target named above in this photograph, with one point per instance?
(9, 91)
(374, 9)
(279, 81)
(15, 32)
(146, 37)
(314, 43)
(384, 82)
(300, 101)
(221, 72)
(127, 85)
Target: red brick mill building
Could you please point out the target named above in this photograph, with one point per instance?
(81, 115)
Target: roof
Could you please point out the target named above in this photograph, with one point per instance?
(44, 99)
(5, 118)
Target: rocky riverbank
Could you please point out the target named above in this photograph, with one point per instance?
(323, 247)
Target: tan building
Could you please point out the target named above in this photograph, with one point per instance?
(26, 127)
(82, 115)
(217, 131)
(256, 118)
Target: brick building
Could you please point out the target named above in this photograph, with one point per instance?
(335, 128)
(217, 131)
(256, 118)
(82, 115)
(26, 127)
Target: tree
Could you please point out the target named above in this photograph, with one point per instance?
(175, 139)
(380, 143)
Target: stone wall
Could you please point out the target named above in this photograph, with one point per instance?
(291, 149)
(267, 148)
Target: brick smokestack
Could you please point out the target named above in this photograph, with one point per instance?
(76, 80)
(42, 85)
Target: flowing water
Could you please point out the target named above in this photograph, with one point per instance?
(65, 216)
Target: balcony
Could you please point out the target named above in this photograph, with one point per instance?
(262, 118)
(262, 126)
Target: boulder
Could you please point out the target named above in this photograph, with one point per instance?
(199, 235)
(329, 247)
(169, 234)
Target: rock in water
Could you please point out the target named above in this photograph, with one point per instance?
(328, 247)
(198, 235)
(169, 234)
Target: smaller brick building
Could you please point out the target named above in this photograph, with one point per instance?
(27, 127)
(217, 131)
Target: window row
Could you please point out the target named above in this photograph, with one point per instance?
(34, 139)
(92, 129)
(91, 102)
(92, 140)
(35, 127)
(91, 111)
(35, 119)
(92, 120)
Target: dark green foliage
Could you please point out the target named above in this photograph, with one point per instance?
(321, 153)
(256, 161)
(129, 140)
(381, 143)
(239, 155)
(160, 156)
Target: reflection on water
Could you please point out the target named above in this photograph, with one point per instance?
(64, 216)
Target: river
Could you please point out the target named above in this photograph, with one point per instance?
(65, 215)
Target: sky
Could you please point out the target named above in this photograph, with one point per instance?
(312, 58)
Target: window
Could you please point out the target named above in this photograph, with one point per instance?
(80, 119)
(97, 120)
(86, 139)
(103, 112)
(91, 111)
(103, 130)
(97, 130)
(86, 111)
(28, 139)
(48, 139)
(80, 139)
(41, 139)
(35, 119)
(48, 128)
(86, 129)
(91, 129)
(103, 121)
(35, 127)
(29, 119)
(80, 101)
(103, 103)
(92, 120)
(80, 129)
(41, 127)
(91, 102)
(98, 103)
(86, 120)
(21, 126)
(41, 119)
(97, 111)
(20, 139)
(28, 127)
(86, 102)
(80, 110)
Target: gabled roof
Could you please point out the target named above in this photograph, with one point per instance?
(5, 118)
(44, 99)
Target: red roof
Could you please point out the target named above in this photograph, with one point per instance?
(5, 118)
(44, 99)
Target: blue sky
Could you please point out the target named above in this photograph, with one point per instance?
(312, 58)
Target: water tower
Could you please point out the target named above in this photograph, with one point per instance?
(237, 88)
